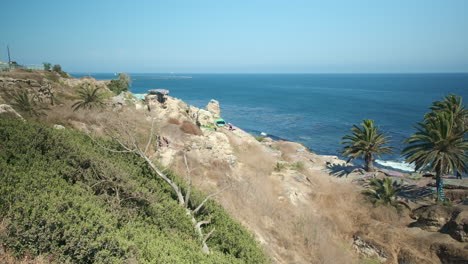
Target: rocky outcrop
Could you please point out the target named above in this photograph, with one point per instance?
(448, 253)
(369, 249)
(451, 220)
(457, 227)
(41, 90)
(204, 118)
(213, 107)
(431, 218)
(8, 110)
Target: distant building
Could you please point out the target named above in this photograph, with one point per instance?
(3, 65)
(15, 65)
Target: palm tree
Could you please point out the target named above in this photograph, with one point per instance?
(438, 145)
(365, 142)
(384, 192)
(453, 104)
(26, 103)
(90, 97)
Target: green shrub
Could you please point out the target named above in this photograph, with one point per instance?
(61, 195)
(279, 166)
(90, 97)
(26, 104)
(299, 165)
(384, 191)
(121, 84)
(58, 69)
(47, 66)
(259, 138)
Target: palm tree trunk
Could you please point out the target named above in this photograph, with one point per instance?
(369, 163)
(440, 187)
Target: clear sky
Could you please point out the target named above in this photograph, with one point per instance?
(216, 36)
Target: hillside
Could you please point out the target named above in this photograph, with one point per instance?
(299, 206)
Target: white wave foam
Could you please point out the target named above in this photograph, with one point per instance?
(399, 165)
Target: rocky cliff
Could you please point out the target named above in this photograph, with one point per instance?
(290, 198)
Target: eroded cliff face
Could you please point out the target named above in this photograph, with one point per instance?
(286, 195)
(289, 197)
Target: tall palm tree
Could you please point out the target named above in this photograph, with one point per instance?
(438, 145)
(453, 104)
(365, 142)
(90, 97)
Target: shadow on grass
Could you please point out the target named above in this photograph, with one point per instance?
(341, 170)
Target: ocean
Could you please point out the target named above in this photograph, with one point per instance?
(316, 110)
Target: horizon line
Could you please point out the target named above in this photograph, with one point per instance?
(349, 73)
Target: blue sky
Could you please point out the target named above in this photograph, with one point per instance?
(207, 36)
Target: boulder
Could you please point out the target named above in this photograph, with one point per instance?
(213, 107)
(450, 253)
(458, 225)
(431, 218)
(205, 118)
(7, 109)
(369, 249)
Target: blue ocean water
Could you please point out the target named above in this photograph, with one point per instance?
(313, 109)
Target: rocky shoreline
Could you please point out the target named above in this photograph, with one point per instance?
(299, 205)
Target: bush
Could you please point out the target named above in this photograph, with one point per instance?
(90, 97)
(384, 191)
(279, 166)
(62, 196)
(48, 66)
(121, 84)
(299, 165)
(259, 138)
(58, 69)
(26, 103)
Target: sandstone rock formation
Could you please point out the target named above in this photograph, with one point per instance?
(213, 107)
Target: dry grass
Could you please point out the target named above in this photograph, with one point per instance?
(173, 121)
(190, 128)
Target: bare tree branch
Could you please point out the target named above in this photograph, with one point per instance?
(208, 236)
(108, 149)
(150, 137)
(207, 198)
(203, 222)
(189, 182)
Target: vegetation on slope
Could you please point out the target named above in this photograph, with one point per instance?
(62, 196)
(440, 143)
(365, 142)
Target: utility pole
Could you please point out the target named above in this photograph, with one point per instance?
(9, 59)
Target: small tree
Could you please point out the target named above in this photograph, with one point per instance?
(365, 142)
(57, 68)
(47, 66)
(121, 84)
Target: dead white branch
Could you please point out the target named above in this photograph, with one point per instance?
(207, 198)
(129, 143)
